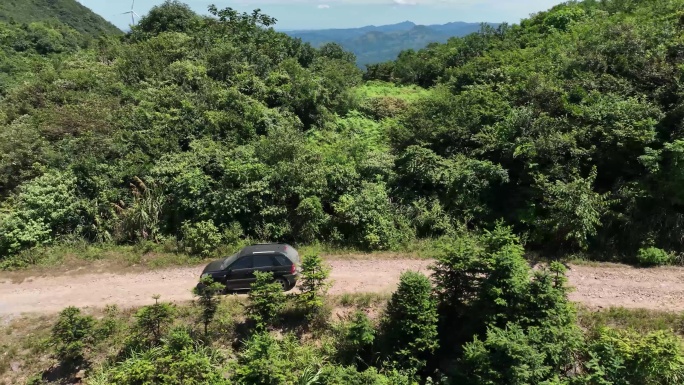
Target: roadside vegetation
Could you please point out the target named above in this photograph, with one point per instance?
(488, 319)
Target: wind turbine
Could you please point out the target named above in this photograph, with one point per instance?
(132, 12)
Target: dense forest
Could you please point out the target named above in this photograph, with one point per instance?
(566, 127)
(561, 135)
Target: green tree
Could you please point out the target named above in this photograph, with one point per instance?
(266, 300)
(171, 16)
(152, 321)
(200, 239)
(409, 326)
(314, 285)
(356, 340)
(208, 300)
(574, 209)
(72, 335)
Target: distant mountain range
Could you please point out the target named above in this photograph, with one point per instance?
(374, 44)
(69, 12)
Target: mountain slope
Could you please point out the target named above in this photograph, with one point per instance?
(375, 44)
(69, 12)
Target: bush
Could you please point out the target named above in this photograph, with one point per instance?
(179, 361)
(72, 334)
(507, 356)
(314, 286)
(653, 256)
(266, 360)
(339, 375)
(355, 343)
(626, 357)
(208, 300)
(409, 326)
(152, 321)
(266, 300)
(200, 239)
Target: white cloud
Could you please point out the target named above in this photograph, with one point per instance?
(323, 6)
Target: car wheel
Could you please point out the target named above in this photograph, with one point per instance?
(283, 284)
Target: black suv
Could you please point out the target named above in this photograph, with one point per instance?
(237, 271)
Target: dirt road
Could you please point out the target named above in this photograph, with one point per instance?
(603, 286)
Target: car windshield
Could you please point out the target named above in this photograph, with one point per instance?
(228, 261)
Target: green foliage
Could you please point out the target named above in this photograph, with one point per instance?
(575, 210)
(339, 375)
(355, 342)
(22, 150)
(69, 12)
(153, 321)
(313, 286)
(266, 360)
(72, 335)
(625, 357)
(44, 208)
(177, 361)
(140, 220)
(507, 356)
(201, 238)
(486, 288)
(370, 216)
(409, 327)
(266, 300)
(653, 256)
(171, 16)
(208, 300)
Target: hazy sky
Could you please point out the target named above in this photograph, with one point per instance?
(310, 14)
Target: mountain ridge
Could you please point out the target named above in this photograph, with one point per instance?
(374, 44)
(69, 12)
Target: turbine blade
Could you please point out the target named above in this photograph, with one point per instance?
(132, 5)
(136, 15)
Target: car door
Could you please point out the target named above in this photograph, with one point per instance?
(283, 266)
(240, 273)
(263, 263)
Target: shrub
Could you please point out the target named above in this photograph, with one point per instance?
(506, 356)
(340, 375)
(152, 321)
(266, 360)
(627, 357)
(409, 326)
(178, 361)
(208, 300)
(314, 286)
(201, 238)
(653, 256)
(109, 324)
(266, 300)
(355, 343)
(71, 334)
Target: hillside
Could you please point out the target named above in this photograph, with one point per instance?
(376, 44)
(69, 12)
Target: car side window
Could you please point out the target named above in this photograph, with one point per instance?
(261, 261)
(283, 261)
(242, 263)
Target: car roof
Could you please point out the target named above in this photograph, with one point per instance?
(264, 248)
